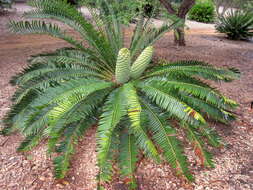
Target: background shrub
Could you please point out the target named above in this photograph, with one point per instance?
(5, 4)
(203, 11)
(237, 25)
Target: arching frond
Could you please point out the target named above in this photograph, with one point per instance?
(52, 77)
(113, 110)
(210, 110)
(84, 109)
(40, 27)
(205, 93)
(198, 145)
(30, 142)
(127, 158)
(66, 147)
(106, 170)
(173, 105)
(111, 24)
(164, 136)
(134, 113)
(68, 14)
(138, 30)
(69, 89)
(149, 35)
(194, 68)
(212, 137)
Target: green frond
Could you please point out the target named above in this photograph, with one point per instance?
(142, 62)
(164, 136)
(113, 110)
(31, 120)
(174, 105)
(36, 120)
(111, 24)
(122, 72)
(212, 137)
(204, 156)
(30, 142)
(40, 27)
(85, 57)
(30, 72)
(13, 115)
(96, 17)
(134, 113)
(66, 102)
(149, 35)
(54, 102)
(81, 110)
(66, 148)
(194, 68)
(51, 77)
(71, 89)
(128, 152)
(205, 93)
(215, 111)
(106, 170)
(64, 12)
(137, 31)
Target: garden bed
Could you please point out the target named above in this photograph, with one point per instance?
(234, 162)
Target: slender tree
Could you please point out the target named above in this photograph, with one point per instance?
(181, 12)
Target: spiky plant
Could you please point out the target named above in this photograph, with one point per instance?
(237, 25)
(137, 107)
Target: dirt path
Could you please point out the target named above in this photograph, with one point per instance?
(234, 162)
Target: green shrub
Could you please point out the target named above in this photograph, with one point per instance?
(137, 107)
(248, 6)
(202, 11)
(237, 25)
(5, 4)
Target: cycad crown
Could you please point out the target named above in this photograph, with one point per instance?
(62, 94)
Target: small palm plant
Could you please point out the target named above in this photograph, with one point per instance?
(237, 25)
(137, 107)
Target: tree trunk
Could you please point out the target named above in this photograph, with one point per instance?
(184, 8)
(179, 39)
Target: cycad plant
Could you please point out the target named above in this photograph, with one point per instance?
(138, 107)
(237, 25)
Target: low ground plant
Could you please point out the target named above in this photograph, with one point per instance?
(5, 4)
(237, 25)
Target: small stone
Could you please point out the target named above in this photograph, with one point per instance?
(42, 178)
(60, 185)
(65, 182)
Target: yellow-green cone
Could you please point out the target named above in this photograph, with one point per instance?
(122, 73)
(141, 63)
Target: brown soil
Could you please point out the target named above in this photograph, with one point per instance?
(234, 162)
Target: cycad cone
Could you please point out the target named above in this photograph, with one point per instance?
(141, 63)
(122, 72)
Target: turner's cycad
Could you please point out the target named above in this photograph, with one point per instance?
(134, 104)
